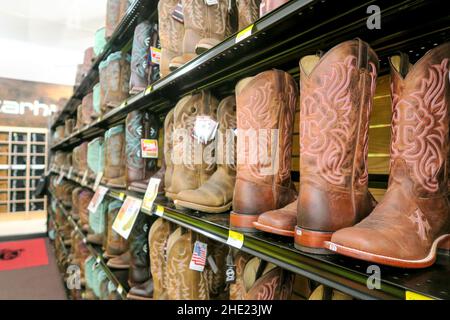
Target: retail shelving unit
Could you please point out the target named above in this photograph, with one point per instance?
(278, 40)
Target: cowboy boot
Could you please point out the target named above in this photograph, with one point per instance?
(413, 219)
(87, 110)
(89, 57)
(336, 100)
(265, 114)
(99, 41)
(267, 6)
(162, 173)
(204, 27)
(259, 280)
(216, 194)
(115, 11)
(96, 106)
(75, 212)
(168, 150)
(281, 221)
(115, 244)
(114, 173)
(184, 283)
(96, 157)
(68, 127)
(152, 65)
(97, 224)
(157, 239)
(118, 79)
(139, 272)
(171, 34)
(59, 133)
(217, 287)
(120, 262)
(139, 57)
(140, 125)
(82, 164)
(190, 169)
(248, 12)
(84, 200)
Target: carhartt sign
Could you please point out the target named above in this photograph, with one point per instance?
(19, 108)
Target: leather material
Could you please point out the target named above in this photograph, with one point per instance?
(114, 173)
(178, 61)
(96, 239)
(336, 100)
(157, 239)
(115, 11)
(120, 262)
(168, 148)
(217, 287)
(75, 212)
(96, 156)
(139, 57)
(142, 291)
(281, 221)
(171, 34)
(80, 159)
(267, 6)
(115, 243)
(139, 271)
(248, 11)
(190, 166)
(414, 212)
(69, 125)
(216, 194)
(84, 200)
(184, 283)
(265, 111)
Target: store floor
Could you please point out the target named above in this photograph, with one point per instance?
(36, 277)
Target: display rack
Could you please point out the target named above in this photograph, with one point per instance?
(338, 272)
(98, 254)
(278, 40)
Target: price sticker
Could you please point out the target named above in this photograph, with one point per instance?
(155, 55)
(149, 148)
(69, 173)
(148, 90)
(235, 239)
(150, 194)
(123, 224)
(97, 198)
(244, 33)
(98, 260)
(119, 289)
(198, 259)
(123, 104)
(84, 180)
(415, 296)
(98, 179)
(159, 211)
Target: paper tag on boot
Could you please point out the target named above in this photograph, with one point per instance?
(150, 194)
(84, 179)
(155, 55)
(126, 217)
(211, 2)
(198, 260)
(60, 178)
(69, 173)
(98, 179)
(97, 198)
(177, 13)
(149, 148)
(205, 129)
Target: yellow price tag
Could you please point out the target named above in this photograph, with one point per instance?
(148, 90)
(235, 239)
(119, 289)
(159, 211)
(415, 296)
(124, 104)
(245, 33)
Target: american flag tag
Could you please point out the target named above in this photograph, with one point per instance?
(198, 259)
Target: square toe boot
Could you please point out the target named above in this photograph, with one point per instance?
(216, 194)
(171, 34)
(193, 164)
(114, 174)
(413, 219)
(265, 118)
(157, 239)
(336, 97)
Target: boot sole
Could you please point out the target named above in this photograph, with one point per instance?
(441, 242)
(243, 222)
(135, 297)
(202, 208)
(274, 230)
(311, 241)
(118, 266)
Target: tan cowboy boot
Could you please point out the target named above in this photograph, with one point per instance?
(114, 174)
(336, 100)
(115, 243)
(265, 116)
(248, 11)
(413, 219)
(216, 194)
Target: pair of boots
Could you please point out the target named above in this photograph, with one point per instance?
(170, 255)
(214, 191)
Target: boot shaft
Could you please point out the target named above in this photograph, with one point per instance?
(420, 121)
(138, 243)
(248, 11)
(139, 57)
(115, 243)
(168, 148)
(226, 138)
(171, 31)
(114, 152)
(96, 155)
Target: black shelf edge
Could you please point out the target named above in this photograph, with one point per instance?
(120, 37)
(344, 274)
(99, 257)
(298, 28)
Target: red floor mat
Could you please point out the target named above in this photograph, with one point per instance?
(23, 254)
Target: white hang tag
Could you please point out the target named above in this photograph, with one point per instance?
(155, 55)
(98, 179)
(151, 194)
(204, 128)
(69, 174)
(97, 198)
(213, 264)
(84, 180)
(198, 260)
(124, 222)
(211, 2)
(60, 178)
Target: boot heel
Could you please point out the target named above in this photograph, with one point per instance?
(243, 222)
(311, 241)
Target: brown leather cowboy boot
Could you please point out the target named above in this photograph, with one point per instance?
(259, 280)
(162, 173)
(157, 240)
(204, 27)
(140, 125)
(217, 286)
(114, 174)
(84, 200)
(281, 221)
(75, 212)
(115, 11)
(248, 11)
(82, 159)
(336, 100)
(216, 194)
(184, 283)
(120, 262)
(69, 125)
(115, 243)
(190, 168)
(413, 219)
(171, 34)
(265, 116)
(139, 57)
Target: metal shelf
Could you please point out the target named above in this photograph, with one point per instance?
(278, 40)
(98, 255)
(339, 272)
(122, 35)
